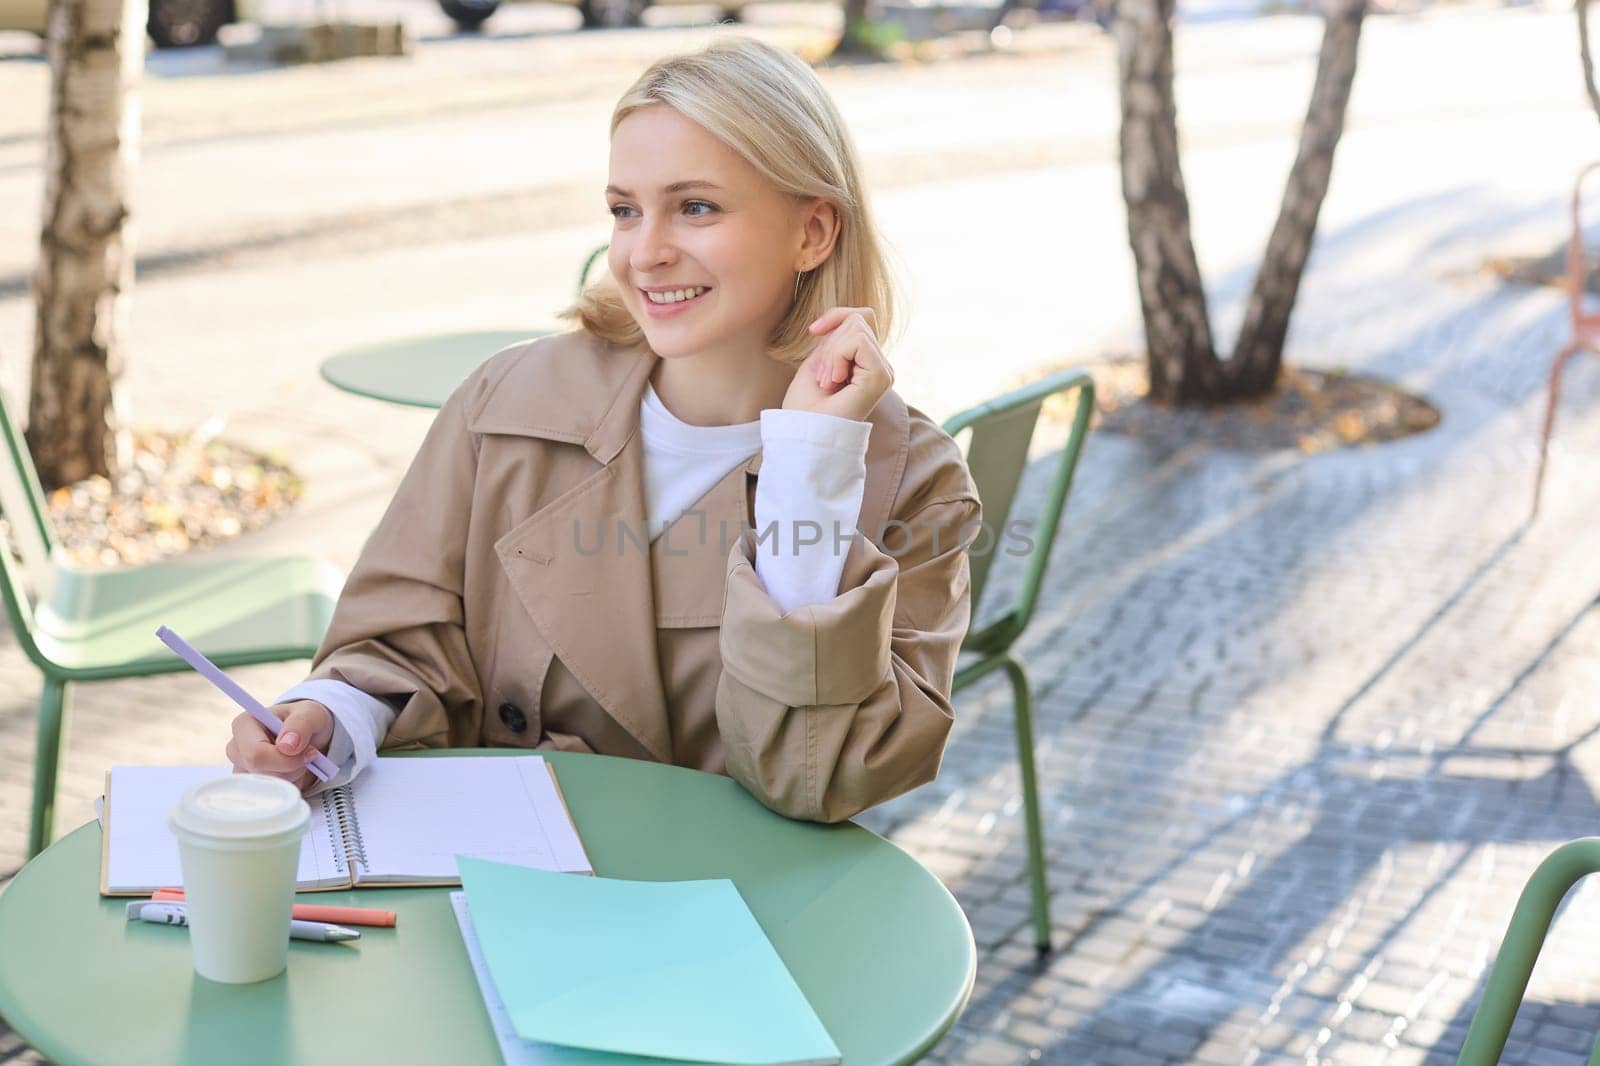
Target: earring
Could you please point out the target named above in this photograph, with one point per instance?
(797, 278)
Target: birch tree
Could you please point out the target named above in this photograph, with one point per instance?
(1585, 57)
(84, 279)
(1182, 358)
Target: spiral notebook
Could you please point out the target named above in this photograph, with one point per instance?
(402, 822)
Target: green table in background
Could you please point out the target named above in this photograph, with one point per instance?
(879, 946)
(418, 371)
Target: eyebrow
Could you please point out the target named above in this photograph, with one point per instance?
(677, 186)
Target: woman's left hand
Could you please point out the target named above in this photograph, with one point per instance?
(846, 374)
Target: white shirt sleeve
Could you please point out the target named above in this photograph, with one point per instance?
(360, 721)
(808, 500)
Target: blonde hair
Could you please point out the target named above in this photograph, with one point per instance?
(768, 106)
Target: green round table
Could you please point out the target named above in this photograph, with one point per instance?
(879, 946)
(418, 371)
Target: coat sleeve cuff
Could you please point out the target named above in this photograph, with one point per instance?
(359, 723)
(835, 652)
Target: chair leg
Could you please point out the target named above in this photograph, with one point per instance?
(1551, 404)
(1030, 802)
(47, 763)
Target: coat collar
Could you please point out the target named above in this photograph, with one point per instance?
(597, 608)
(575, 388)
(568, 387)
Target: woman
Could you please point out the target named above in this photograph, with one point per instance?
(567, 565)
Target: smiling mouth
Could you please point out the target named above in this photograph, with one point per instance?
(697, 290)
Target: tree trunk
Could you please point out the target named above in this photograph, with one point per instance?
(1585, 56)
(857, 36)
(1183, 363)
(84, 279)
(1253, 368)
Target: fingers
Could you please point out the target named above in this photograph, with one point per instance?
(852, 340)
(247, 756)
(870, 357)
(833, 369)
(306, 725)
(842, 365)
(252, 751)
(833, 316)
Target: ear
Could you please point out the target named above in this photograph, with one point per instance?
(819, 232)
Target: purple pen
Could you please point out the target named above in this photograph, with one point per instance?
(321, 767)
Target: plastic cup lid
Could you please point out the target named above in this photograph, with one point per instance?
(241, 806)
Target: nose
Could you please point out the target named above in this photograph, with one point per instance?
(652, 247)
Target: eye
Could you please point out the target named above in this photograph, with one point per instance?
(688, 204)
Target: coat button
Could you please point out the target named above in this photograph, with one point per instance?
(513, 717)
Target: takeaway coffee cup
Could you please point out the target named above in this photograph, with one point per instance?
(239, 842)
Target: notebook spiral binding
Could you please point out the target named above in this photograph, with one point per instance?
(341, 800)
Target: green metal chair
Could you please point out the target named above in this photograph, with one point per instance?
(1530, 922)
(997, 454)
(96, 626)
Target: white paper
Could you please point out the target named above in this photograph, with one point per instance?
(417, 815)
(143, 853)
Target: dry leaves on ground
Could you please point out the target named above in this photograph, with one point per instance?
(180, 491)
(1550, 269)
(1311, 411)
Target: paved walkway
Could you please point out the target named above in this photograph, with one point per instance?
(1306, 724)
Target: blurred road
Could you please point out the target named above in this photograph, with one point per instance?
(1002, 163)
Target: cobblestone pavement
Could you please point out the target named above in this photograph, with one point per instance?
(1306, 724)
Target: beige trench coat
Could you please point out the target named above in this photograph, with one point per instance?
(487, 608)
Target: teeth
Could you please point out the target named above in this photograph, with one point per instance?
(674, 297)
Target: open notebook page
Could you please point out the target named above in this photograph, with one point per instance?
(142, 854)
(417, 815)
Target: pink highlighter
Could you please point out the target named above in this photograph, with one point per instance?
(322, 767)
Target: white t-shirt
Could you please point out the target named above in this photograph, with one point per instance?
(813, 474)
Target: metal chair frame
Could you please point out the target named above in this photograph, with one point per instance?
(100, 625)
(1002, 431)
(1525, 936)
(1585, 330)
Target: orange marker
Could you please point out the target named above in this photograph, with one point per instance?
(311, 912)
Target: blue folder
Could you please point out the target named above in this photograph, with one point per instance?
(668, 969)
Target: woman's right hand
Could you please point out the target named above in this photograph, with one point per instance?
(307, 729)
